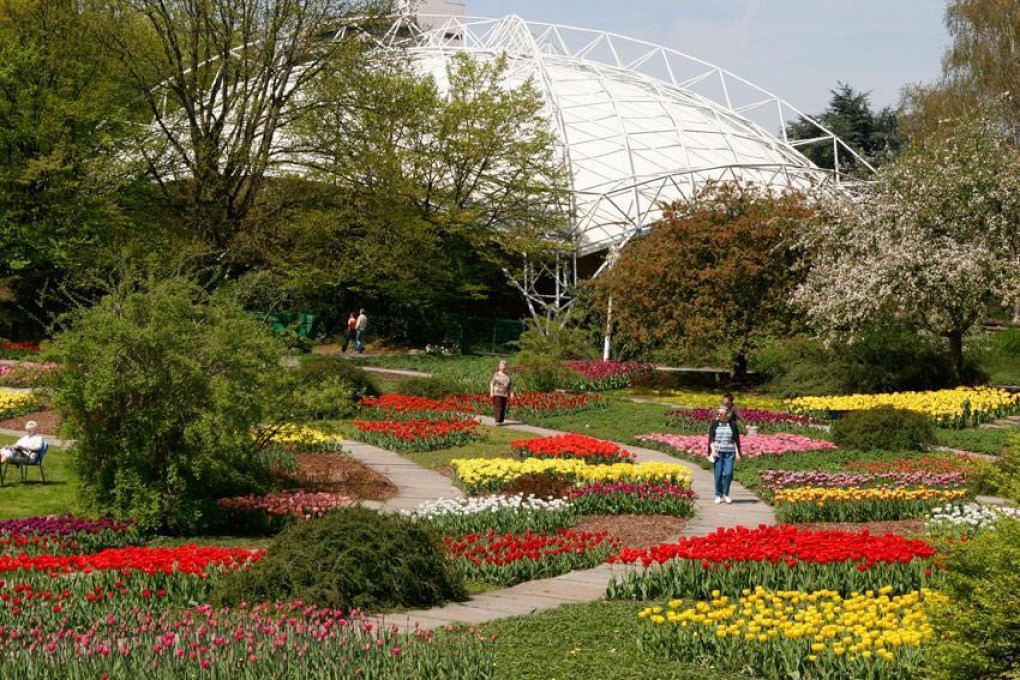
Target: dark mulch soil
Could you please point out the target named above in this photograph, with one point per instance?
(337, 473)
(49, 422)
(903, 527)
(635, 531)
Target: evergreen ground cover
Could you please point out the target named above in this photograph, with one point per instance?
(597, 640)
(987, 440)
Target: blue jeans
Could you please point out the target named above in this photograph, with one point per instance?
(359, 345)
(724, 472)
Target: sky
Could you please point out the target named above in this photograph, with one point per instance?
(797, 49)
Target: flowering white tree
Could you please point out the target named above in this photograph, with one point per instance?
(932, 243)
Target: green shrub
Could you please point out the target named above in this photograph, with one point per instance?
(316, 369)
(350, 558)
(976, 630)
(160, 384)
(544, 345)
(885, 361)
(887, 429)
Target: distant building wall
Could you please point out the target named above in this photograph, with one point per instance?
(456, 9)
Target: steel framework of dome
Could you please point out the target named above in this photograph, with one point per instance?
(638, 124)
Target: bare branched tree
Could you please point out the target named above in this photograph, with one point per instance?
(221, 79)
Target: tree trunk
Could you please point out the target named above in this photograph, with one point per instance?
(740, 368)
(956, 354)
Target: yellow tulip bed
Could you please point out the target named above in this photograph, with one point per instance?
(479, 475)
(853, 504)
(14, 403)
(794, 633)
(302, 436)
(957, 408)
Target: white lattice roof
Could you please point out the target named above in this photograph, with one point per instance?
(637, 124)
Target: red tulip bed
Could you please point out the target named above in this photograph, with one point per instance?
(17, 349)
(776, 558)
(626, 498)
(418, 435)
(394, 406)
(522, 406)
(507, 559)
(572, 446)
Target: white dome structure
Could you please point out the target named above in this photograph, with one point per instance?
(637, 124)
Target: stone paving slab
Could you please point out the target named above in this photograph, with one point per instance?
(414, 483)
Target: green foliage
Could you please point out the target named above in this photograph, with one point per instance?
(713, 278)
(321, 388)
(886, 429)
(160, 384)
(350, 558)
(879, 361)
(58, 176)
(873, 134)
(987, 440)
(464, 180)
(543, 347)
(976, 630)
(1003, 477)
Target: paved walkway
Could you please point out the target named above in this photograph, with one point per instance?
(414, 483)
(587, 585)
(1002, 423)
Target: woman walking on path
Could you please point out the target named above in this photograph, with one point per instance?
(501, 388)
(723, 450)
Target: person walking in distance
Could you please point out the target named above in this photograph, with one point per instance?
(501, 388)
(723, 451)
(352, 322)
(360, 325)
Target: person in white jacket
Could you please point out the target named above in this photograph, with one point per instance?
(26, 450)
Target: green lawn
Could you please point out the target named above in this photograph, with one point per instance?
(34, 498)
(979, 440)
(621, 421)
(475, 371)
(597, 640)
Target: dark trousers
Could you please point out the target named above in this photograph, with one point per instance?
(499, 408)
(347, 339)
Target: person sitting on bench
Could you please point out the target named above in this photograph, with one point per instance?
(26, 450)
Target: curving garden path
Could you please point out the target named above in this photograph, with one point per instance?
(416, 484)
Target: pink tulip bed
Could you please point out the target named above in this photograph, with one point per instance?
(139, 611)
(752, 445)
(270, 513)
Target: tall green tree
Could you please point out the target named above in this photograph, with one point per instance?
(873, 134)
(712, 279)
(59, 177)
(424, 194)
(980, 68)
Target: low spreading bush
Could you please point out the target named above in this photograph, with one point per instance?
(326, 388)
(883, 428)
(350, 558)
(976, 630)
